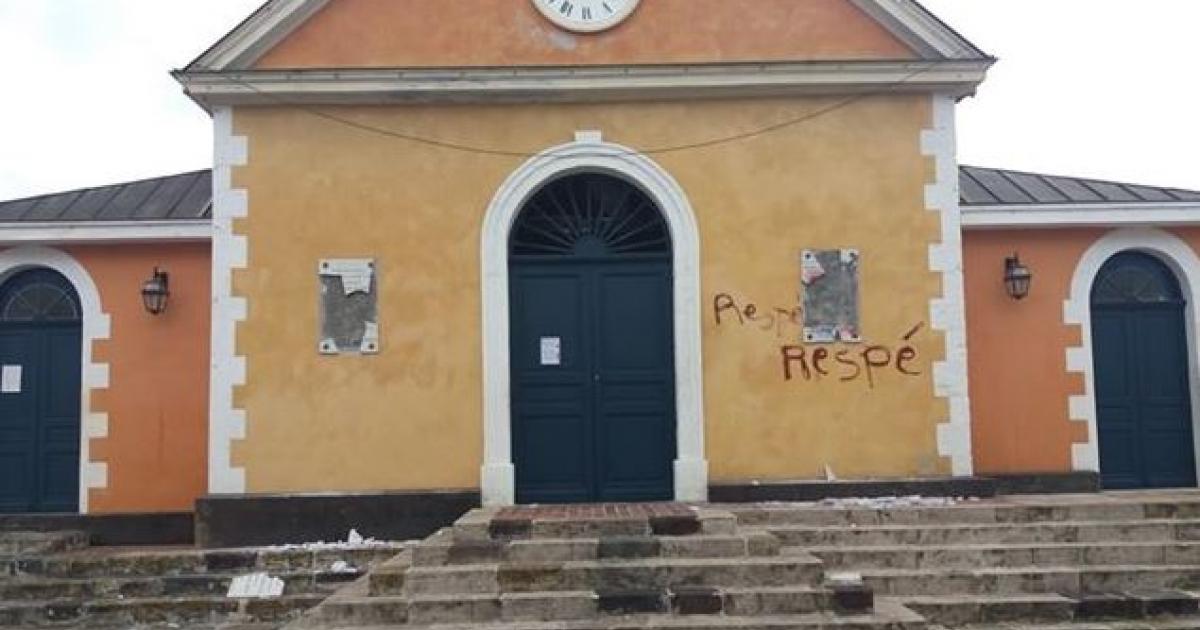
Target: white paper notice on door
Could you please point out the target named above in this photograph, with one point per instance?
(10, 379)
(551, 350)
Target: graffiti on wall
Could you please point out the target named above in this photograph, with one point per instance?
(868, 362)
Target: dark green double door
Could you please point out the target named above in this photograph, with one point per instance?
(40, 341)
(592, 344)
(593, 382)
(1143, 391)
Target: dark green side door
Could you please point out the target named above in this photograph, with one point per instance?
(40, 343)
(1143, 393)
(592, 345)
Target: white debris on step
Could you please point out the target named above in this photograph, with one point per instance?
(887, 503)
(255, 586)
(844, 578)
(354, 540)
(341, 566)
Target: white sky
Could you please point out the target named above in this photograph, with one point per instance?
(1098, 88)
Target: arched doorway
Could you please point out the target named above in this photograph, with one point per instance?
(592, 344)
(1143, 396)
(40, 345)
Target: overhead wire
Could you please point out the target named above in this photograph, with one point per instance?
(495, 152)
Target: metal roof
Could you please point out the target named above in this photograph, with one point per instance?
(998, 187)
(183, 197)
(188, 196)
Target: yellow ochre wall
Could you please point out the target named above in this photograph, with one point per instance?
(411, 417)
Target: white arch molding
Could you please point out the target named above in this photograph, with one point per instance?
(96, 325)
(589, 153)
(1185, 264)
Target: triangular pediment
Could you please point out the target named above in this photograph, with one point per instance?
(325, 34)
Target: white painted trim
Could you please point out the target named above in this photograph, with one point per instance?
(97, 325)
(1077, 310)
(948, 311)
(589, 153)
(919, 29)
(105, 231)
(253, 38)
(229, 251)
(1081, 215)
(582, 83)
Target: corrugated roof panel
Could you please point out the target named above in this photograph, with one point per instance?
(163, 200)
(1184, 195)
(124, 205)
(1148, 193)
(999, 186)
(198, 198)
(1110, 191)
(15, 210)
(1036, 187)
(971, 191)
(1074, 191)
(51, 207)
(89, 204)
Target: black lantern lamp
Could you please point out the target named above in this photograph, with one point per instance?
(1017, 277)
(155, 292)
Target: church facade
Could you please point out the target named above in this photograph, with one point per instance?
(626, 251)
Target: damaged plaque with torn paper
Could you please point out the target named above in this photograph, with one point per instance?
(830, 286)
(349, 306)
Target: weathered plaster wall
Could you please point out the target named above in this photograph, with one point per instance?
(411, 416)
(1018, 366)
(414, 33)
(157, 397)
(157, 400)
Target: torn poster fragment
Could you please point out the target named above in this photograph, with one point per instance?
(830, 283)
(349, 299)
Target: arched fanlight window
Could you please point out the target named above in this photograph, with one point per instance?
(590, 215)
(38, 295)
(1135, 278)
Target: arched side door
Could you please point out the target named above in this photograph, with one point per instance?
(1143, 390)
(40, 346)
(592, 344)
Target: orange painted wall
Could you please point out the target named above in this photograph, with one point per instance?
(157, 400)
(422, 33)
(1017, 350)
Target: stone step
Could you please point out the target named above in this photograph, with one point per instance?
(886, 617)
(632, 574)
(441, 551)
(1181, 623)
(559, 606)
(1090, 509)
(488, 524)
(168, 610)
(19, 543)
(957, 534)
(1007, 555)
(959, 610)
(45, 589)
(160, 562)
(1064, 580)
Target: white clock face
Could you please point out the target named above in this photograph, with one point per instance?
(586, 16)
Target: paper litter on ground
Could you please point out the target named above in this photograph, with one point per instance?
(255, 586)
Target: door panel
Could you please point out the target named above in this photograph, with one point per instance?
(39, 427)
(600, 426)
(1143, 393)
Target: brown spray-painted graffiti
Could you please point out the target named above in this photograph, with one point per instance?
(814, 364)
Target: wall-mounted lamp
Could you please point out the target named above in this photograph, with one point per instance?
(1017, 277)
(155, 292)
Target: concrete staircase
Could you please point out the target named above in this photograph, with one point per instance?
(600, 567)
(55, 580)
(1025, 561)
